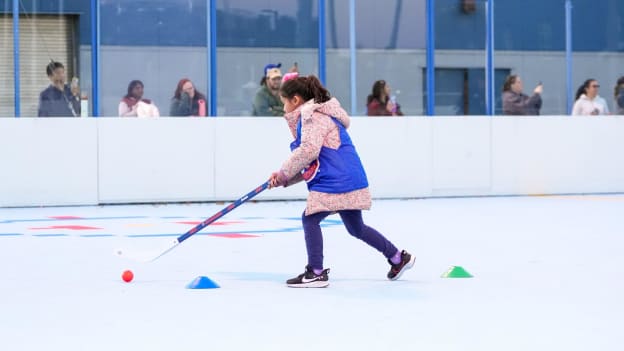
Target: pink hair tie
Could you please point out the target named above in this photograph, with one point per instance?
(289, 76)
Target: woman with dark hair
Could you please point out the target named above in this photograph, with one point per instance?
(619, 96)
(380, 103)
(324, 156)
(187, 101)
(517, 103)
(588, 102)
(134, 105)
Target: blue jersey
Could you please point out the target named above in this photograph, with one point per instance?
(335, 171)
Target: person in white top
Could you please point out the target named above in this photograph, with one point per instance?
(588, 102)
(134, 105)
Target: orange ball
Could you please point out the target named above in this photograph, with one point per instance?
(127, 276)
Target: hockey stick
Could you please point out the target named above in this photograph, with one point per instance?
(152, 256)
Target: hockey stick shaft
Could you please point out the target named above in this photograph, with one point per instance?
(223, 212)
(148, 257)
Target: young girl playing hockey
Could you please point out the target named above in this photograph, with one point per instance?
(324, 156)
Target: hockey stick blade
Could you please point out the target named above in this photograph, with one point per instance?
(145, 256)
(153, 255)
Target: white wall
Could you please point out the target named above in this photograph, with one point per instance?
(48, 161)
(66, 161)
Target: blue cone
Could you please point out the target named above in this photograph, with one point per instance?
(202, 283)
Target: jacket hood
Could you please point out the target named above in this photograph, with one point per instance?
(330, 108)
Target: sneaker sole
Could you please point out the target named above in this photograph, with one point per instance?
(409, 265)
(314, 284)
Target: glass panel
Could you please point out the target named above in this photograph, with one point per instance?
(598, 54)
(338, 58)
(459, 58)
(255, 33)
(390, 47)
(49, 31)
(534, 56)
(7, 81)
(158, 42)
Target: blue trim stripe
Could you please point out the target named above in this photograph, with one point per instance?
(69, 219)
(16, 58)
(321, 41)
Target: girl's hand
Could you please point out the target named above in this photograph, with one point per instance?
(277, 179)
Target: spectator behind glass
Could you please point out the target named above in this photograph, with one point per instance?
(518, 104)
(619, 96)
(588, 102)
(380, 103)
(133, 104)
(58, 99)
(187, 101)
(267, 101)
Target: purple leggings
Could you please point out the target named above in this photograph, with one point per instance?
(352, 220)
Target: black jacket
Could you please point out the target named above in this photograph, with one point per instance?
(56, 103)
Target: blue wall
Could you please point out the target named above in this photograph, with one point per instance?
(80, 8)
(520, 25)
(534, 25)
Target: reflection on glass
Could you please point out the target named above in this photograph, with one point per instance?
(6, 64)
(48, 32)
(158, 42)
(598, 53)
(391, 47)
(460, 76)
(253, 34)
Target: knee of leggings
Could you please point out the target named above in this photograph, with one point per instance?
(355, 230)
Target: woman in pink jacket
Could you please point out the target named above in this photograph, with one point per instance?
(324, 156)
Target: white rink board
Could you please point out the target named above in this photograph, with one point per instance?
(113, 160)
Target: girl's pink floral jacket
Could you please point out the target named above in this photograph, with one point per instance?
(317, 130)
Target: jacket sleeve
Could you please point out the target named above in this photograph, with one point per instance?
(375, 108)
(124, 110)
(76, 104)
(620, 98)
(182, 106)
(277, 111)
(261, 105)
(577, 108)
(42, 110)
(535, 102)
(313, 131)
(519, 104)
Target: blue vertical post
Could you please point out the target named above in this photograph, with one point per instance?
(568, 55)
(16, 58)
(212, 57)
(489, 53)
(352, 56)
(321, 43)
(95, 57)
(430, 58)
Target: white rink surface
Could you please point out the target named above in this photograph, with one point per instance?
(548, 276)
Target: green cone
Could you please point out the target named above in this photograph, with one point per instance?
(456, 272)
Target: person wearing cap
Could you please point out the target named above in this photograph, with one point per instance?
(267, 101)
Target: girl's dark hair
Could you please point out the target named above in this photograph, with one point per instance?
(509, 81)
(581, 90)
(307, 87)
(618, 86)
(378, 90)
(131, 86)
